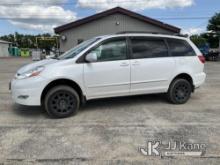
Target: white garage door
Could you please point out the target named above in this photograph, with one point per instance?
(4, 50)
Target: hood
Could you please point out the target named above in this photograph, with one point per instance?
(31, 66)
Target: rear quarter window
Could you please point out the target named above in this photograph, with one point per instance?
(180, 48)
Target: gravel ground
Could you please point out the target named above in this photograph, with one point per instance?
(109, 131)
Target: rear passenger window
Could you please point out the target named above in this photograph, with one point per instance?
(180, 48)
(148, 48)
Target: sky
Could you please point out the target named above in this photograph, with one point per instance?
(40, 16)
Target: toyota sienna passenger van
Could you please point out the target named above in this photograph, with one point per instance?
(111, 66)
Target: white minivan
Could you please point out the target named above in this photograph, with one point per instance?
(110, 66)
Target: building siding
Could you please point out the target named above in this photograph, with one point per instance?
(106, 25)
(4, 49)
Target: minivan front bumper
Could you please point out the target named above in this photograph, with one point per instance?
(27, 91)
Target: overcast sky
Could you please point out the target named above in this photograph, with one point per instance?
(38, 16)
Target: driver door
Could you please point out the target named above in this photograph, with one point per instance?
(110, 74)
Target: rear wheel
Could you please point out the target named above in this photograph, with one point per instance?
(61, 101)
(180, 91)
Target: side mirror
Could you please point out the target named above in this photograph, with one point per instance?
(91, 57)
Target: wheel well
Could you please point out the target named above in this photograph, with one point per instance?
(186, 77)
(67, 82)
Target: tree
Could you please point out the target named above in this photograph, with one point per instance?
(212, 40)
(29, 41)
(198, 40)
(213, 25)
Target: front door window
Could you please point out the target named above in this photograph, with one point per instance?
(111, 51)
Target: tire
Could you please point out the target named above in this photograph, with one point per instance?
(179, 91)
(61, 101)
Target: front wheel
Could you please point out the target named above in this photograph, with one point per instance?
(61, 101)
(180, 91)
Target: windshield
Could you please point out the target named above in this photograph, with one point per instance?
(76, 50)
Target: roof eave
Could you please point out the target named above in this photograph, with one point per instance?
(152, 21)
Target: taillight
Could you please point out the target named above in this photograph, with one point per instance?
(201, 58)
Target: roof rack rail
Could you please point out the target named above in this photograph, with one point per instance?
(147, 32)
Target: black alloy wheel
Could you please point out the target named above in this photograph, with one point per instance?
(62, 101)
(179, 91)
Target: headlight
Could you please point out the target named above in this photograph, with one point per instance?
(31, 73)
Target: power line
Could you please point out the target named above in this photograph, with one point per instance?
(61, 16)
(74, 3)
(42, 2)
(183, 18)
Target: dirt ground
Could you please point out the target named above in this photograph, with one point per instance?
(109, 131)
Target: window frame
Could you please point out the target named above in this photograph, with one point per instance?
(82, 59)
(148, 38)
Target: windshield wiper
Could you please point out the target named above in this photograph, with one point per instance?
(56, 58)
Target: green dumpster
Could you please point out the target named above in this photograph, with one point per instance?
(17, 51)
(25, 52)
(14, 51)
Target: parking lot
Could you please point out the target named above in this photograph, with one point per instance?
(109, 131)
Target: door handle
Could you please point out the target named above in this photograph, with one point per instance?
(136, 63)
(124, 64)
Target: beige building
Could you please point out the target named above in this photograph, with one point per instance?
(109, 22)
(4, 45)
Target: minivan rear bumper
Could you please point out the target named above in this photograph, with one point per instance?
(199, 79)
